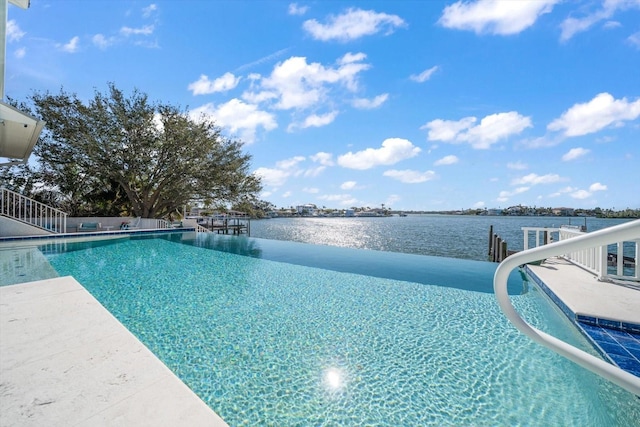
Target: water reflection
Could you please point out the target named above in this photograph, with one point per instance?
(333, 379)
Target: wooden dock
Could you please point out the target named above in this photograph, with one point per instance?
(229, 225)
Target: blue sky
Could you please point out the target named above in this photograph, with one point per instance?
(420, 105)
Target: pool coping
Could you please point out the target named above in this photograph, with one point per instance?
(604, 322)
(99, 234)
(617, 341)
(66, 360)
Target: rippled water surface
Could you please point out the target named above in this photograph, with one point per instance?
(456, 236)
(267, 342)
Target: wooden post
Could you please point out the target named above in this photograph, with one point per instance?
(546, 237)
(503, 251)
(492, 255)
(490, 238)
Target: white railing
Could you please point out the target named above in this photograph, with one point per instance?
(24, 209)
(593, 259)
(201, 229)
(597, 260)
(162, 223)
(623, 232)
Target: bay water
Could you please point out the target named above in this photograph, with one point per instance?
(452, 236)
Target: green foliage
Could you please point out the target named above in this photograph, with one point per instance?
(125, 155)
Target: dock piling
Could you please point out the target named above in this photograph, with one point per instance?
(498, 251)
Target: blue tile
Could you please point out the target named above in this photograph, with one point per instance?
(628, 364)
(625, 339)
(635, 352)
(614, 350)
(601, 336)
(631, 327)
(587, 319)
(609, 323)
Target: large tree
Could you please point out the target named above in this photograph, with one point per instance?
(126, 153)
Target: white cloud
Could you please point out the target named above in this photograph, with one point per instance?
(562, 191)
(315, 120)
(634, 39)
(369, 104)
(505, 195)
(478, 205)
(262, 60)
(612, 24)
(290, 163)
(596, 186)
(446, 160)
(102, 42)
(311, 190)
(574, 153)
(602, 111)
(489, 131)
(294, 9)
(148, 11)
(502, 17)
(297, 84)
(313, 172)
(541, 141)
(272, 177)
(13, 31)
(237, 117)
(534, 179)
(424, 76)
(204, 86)
(580, 194)
(143, 31)
(408, 176)
(258, 97)
(341, 199)
(348, 185)
(323, 158)
(20, 52)
(392, 151)
(571, 26)
(276, 177)
(517, 165)
(72, 46)
(353, 24)
(447, 130)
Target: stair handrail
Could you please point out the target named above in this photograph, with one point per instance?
(24, 209)
(622, 232)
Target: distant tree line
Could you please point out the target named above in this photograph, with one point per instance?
(524, 211)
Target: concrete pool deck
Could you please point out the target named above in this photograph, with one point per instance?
(66, 361)
(584, 295)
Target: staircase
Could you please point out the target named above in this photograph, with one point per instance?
(28, 211)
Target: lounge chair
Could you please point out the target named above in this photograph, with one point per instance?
(89, 226)
(131, 225)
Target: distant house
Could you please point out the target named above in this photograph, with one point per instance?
(515, 210)
(563, 211)
(350, 212)
(494, 212)
(307, 210)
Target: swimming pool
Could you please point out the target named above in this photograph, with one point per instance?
(280, 333)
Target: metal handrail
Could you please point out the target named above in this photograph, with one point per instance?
(16, 206)
(622, 232)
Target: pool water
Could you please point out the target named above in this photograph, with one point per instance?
(265, 341)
